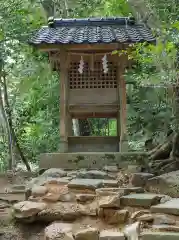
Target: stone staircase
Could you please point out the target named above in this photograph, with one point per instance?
(96, 205)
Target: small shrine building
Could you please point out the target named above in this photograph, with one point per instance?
(92, 83)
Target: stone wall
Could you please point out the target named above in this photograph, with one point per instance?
(90, 160)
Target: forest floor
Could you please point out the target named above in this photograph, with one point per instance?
(13, 230)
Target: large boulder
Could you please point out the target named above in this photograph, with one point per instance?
(167, 183)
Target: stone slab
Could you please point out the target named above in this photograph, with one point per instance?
(110, 183)
(94, 174)
(90, 160)
(141, 199)
(80, 183)
(135, 189)
(169, 207)
(166, 228)
(160, 236)
(111, 235)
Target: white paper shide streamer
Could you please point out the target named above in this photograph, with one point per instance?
(105, 64)
(81, 66)
(132, 231)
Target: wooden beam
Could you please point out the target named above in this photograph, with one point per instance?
(79, 47)
(64, 119)
(83, 115)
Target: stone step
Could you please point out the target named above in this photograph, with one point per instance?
(160, 236)
(91, 184)
(166, 228)
(169, 207)
(145, 200)
(11, 197)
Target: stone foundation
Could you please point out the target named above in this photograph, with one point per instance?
(91, 160)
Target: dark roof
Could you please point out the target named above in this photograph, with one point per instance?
(92, 30)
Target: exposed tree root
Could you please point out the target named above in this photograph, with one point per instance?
(165, 157)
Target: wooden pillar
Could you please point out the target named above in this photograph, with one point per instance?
(64, 118)
(122, 114)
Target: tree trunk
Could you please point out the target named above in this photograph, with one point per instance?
(10, 148)
(13, 135)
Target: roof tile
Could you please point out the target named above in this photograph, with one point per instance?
(79, 31)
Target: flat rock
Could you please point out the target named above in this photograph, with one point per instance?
(43, 180)
(111, 191)
(170, 207)
(61, 231)
(85, 197)
(54, 197)
(63, 211)
(113, 216)
(134, 190)
(27, 209)
(72, 174)
(113, 169)
(146, 218)
(11, 197)
(163, 219)
(93, 174)
(87, 234)
(18, 187)
(166, 228)
(159, 236)
(111, 235)
(141, 200)
(110, 183)
(137, 214)
(112, 201)
(54, 173)
(90, 184)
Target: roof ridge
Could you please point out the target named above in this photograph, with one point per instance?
(55, 22)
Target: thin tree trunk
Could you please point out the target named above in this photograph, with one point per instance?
(13, 134)
(10, 148)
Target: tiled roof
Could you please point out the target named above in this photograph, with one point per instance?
(93, 30)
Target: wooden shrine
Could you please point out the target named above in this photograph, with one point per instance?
(92, 83)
